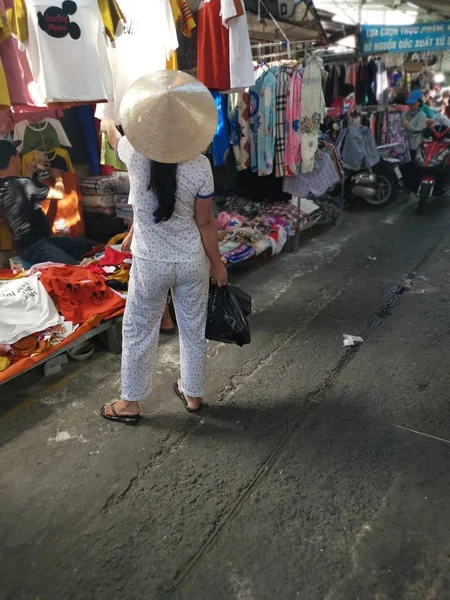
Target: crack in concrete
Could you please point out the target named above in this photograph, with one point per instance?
(309, 406)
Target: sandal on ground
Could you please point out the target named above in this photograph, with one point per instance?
(182, 397)
(126, 419)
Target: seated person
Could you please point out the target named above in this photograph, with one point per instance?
(20, 207)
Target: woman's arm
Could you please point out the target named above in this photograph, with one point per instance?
(206, 223)
(126, 244)
(108, 127)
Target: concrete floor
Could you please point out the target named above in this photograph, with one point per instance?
(316, 472)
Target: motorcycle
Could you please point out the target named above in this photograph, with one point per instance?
(376, 186)
(433, 156)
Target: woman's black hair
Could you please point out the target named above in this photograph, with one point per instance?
(163, 181)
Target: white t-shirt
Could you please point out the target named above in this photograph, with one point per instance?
(178, 239)
(26, 308)
(242, 74)
(148, 41)
(66, 47)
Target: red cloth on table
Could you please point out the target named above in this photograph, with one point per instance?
(213, 48)
(96, 269)
(113, 258)
(80, 294)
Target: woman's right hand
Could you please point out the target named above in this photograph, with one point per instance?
(126, 244)
(219, 275)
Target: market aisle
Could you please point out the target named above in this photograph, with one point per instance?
(296, 483)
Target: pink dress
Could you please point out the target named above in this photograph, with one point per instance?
(292, 155)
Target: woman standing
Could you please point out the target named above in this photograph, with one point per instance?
(168, 118)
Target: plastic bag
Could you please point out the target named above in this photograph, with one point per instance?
(228, 309)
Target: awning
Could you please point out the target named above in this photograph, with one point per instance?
(441, 7)
(298, 19)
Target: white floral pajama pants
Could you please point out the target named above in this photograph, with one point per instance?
(147, 295)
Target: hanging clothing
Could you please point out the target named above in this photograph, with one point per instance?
(26, 309)
(382, 84)
(235, 130)
(43, 136)
(87, 123)
(283, 79)
(65, 217)
(5, 100)
(245, 132)
(58, 158)
(148, 42)
(397, 134)
(5, 34)
(323, 177)
(360, 90)
(67, 51)
(371, 83)
(254, 121)
(312, 111)
(185, 21)
(358, 148)
(292, 155)
(267, 123)
(108, 156)
(183, 16)
(224, 57)
(241, 61)
(220, 143)
(213, 48)
(146, 300)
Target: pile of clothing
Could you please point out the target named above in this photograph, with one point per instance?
(247, 228)
(49, 304)
(113, 265)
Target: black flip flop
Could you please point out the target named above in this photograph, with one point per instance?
(182, 397)
(126, 419)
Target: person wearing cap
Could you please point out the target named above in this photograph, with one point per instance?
(20, 207)
(414, 121)
(169, 119)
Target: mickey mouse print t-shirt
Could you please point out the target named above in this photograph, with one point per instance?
(66, 46)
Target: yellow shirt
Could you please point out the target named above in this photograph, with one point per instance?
(58, 159)
(5, 33)
(182, 16)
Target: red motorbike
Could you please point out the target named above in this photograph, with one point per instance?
(433, 156)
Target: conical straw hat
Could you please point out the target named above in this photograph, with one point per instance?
(169, 116)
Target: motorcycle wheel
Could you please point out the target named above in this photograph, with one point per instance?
(386, 188)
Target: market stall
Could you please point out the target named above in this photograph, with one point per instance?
(52, 113)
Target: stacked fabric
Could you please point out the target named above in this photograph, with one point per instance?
(100, 194)
(124, 210)
(251, 228)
